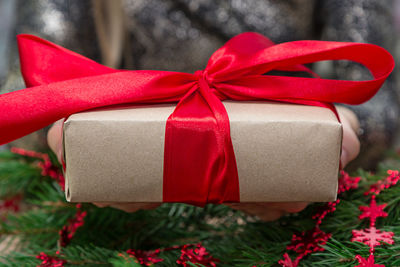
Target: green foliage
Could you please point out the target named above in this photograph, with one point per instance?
(231, 236)
(124, 261)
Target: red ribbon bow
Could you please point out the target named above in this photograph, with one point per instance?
(199, 162)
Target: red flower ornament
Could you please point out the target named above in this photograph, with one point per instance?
(309, 241)
(369, 262)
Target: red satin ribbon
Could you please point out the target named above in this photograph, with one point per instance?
(199, 164)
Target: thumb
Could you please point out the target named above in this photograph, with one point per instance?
(54, 138)
(350, 143)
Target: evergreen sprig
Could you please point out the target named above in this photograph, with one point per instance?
(231, 236)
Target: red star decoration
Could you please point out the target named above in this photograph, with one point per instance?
(309, 241)
(12, 203)
(325, 210)
(197, 256)
(372, 237)
(146, 258)
(346, 182)
(288, 262)
(385, 183)
(372, 211)
(48, 168)
(370, 262)
(52, 171)
(68, 230)
(49, 261)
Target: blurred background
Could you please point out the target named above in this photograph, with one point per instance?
(180, 35)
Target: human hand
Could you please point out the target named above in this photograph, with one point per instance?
(265, 211)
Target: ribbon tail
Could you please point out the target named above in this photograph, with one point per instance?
(200, 165)
(28, 110)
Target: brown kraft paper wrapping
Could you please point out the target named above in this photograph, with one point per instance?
(284, 152)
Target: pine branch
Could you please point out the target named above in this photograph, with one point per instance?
(231, 236)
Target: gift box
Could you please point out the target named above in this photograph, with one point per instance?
(205, 149)
(284, 152)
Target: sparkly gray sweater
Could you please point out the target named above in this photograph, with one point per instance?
(181, 35)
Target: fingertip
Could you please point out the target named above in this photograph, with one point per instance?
(54, 138)
(350, 146)
(100, 205)
(351, 143)
(296, 207)
(270, 215)
(344, 158)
